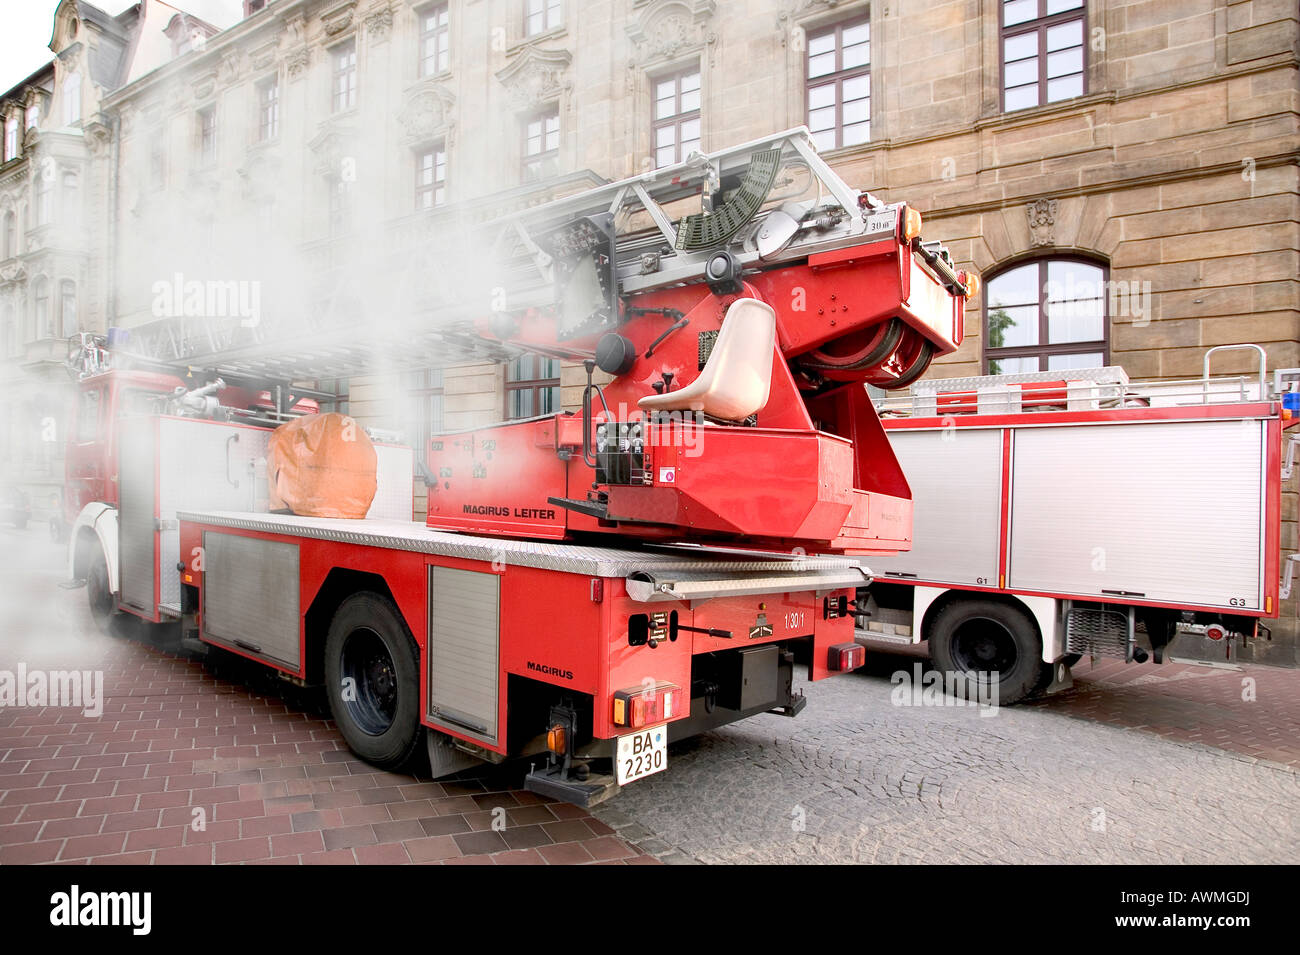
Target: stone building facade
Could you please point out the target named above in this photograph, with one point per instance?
(1151, 144)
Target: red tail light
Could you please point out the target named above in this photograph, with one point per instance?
(846, 656)
(646, 706)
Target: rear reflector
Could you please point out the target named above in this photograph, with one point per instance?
(846, 656)
(646, 705)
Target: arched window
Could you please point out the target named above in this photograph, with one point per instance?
(11, 235)
(1046, 315)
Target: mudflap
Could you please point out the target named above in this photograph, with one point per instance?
(444, 757)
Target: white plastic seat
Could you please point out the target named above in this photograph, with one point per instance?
(736, 379)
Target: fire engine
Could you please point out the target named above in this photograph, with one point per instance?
(1089, 509)
(587, 586)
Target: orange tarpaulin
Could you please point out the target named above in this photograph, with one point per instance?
(321, 465)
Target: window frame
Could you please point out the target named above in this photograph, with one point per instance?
(271, 107)
(207, 144)
(424, 35)
(12, 137)
(435, 149)
(535, 385)
(1044, 348)
(529, 161)
(545, 13)
(1040, 25)
(838, 75)
(677, 118)
(337, 104)
(68, 289)
(421, 388)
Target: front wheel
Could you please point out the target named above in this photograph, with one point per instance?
(372, 677)
(985, 640)
(103, 607)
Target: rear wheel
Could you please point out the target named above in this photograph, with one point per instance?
(989, 640)
(372, 677)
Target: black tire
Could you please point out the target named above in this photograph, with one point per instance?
(379, 714)
(103, 606)
(970, 636)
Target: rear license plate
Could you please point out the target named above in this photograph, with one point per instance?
(642, 754)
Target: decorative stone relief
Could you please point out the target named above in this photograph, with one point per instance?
(339, 18)
(536, 76)
(205, 85)
(1042, 218)
(229, 69)
(297, 60)
(666, 29)
(263, 56)
(427, 113)
(335, 152)
(380, 22)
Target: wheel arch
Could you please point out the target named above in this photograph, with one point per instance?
(339, 584)
(96, 525)
(1043, 611)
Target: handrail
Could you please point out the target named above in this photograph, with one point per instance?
(1263, 374)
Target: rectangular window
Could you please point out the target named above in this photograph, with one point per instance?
(542, 15)
(542, 145)
(1043, 52)
(68, 308)
(208, 135)
(532, 386)
(71, 99)
(425, 408)
(340, 206)
(44, 199)
(11, 138)
(71, 212)
(431, 177)
(839, 84)
(435, 40)
(268, 109)
(157, 161)
(33, 116)
(675, 131)
(345, 76)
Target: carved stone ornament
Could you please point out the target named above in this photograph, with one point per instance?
(335, 152)
(229, 69)
(205, 85)
(666, 29)
(380, 22)
(263, 56)
(427, 112)
(536, 76)
(339, 18)
(297, 60)
(1042, 217)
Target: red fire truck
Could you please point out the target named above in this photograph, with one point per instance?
(1089, 510)
(588, 586)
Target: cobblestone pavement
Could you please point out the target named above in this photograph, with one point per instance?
(855, 778)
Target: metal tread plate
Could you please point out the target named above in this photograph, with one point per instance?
(545, 555)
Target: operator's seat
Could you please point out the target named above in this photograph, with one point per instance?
(736, 379)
